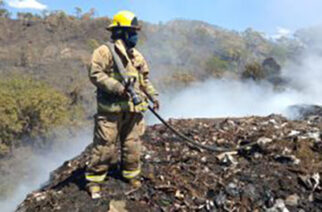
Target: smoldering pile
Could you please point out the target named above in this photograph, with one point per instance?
(280, 171)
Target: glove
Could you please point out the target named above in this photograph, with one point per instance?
(124, 92)
(156, 105)
(129, 81)
(142, 107)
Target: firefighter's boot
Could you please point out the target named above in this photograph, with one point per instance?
(132, 177)
(95, 191)
(135, 183)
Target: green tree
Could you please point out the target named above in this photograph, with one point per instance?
(25, 16)
(30, 108)
(4, 13)
(78, 12)
(253, 71)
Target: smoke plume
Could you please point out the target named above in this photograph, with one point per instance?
(30, 170)
(227, 97)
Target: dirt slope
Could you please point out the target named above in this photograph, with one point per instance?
(280, 172)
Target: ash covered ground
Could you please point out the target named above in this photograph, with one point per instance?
(279, 171)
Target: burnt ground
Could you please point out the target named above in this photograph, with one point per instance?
(279, 171)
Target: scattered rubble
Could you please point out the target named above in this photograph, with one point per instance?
(292, 200)
(280, 171)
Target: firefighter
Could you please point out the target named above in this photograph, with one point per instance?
(117, 118)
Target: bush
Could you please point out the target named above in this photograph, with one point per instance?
(178, 78)
(271, 67)
(30, 108)
(216, 67)
(253, 71)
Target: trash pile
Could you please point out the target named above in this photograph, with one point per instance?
(279, 170)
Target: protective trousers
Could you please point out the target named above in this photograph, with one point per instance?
(125, 126)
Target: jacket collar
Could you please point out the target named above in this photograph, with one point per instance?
(119, 44)
(121, 48)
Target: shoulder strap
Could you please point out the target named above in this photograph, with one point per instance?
(122, 71)
(116, 58)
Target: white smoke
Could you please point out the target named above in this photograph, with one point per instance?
(222, 98)
(307, 78)
(36, 168)
(226, 97)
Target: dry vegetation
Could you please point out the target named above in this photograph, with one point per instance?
(55, 49)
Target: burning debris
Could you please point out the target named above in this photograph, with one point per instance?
(278, 170)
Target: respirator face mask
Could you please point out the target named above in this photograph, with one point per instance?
(131, 39)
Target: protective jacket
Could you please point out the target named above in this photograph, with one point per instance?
(104, 75)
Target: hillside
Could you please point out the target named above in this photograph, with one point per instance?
(56, 49)
(280, 171)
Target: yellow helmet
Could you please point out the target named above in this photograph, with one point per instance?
(124, 19)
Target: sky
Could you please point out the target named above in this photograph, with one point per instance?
(269, 16)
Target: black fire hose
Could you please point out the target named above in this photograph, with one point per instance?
(136, 100)
(193, 143)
